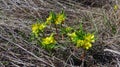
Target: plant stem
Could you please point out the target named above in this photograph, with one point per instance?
(56, 31)
(62, 33)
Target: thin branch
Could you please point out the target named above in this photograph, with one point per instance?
(15, 64)
(112, 51)
(19, 61)
(118, 62)
(60, 4)
(5, 3)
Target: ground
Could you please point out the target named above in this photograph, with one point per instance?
(17, 16)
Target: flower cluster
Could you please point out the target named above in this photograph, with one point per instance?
(49, 41)
(56, 18)
(37, 28)
(60, 18)
(82, 40)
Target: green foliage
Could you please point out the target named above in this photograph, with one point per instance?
(66, 30)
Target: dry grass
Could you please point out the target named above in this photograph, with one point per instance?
(16, 17)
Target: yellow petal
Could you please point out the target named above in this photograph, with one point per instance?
(60, 18)
(115, 7)
(89, 37)
(41, 27)
(87, 45)
(48, 40)
(80, 43)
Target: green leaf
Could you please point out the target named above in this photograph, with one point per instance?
(53, 16)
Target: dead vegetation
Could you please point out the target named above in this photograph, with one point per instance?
(16, 17)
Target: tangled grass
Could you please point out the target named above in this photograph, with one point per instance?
(16, 17)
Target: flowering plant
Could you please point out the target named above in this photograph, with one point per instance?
(78, 37)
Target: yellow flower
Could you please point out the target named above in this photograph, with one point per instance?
(35, 29)
(48, 40)
(80, 43)
(48, 20)
(60, 18)
(115, 7)
(84, 44)
(87, 45)
(42, 26)
(89, 37)
(73, 36)
(51, 18)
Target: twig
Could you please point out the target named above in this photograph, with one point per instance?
(116, 52)
(60, 4)
(19, 61)
(5, 3)
(15, 65)
(33, 6)
(112, 51)
(26, 51)
(41, 1)
(49, 60)
(118, 62)
(15, 5)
